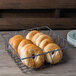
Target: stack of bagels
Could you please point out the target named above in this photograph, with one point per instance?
(35, 43)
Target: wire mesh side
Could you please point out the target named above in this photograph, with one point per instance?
(18, 62)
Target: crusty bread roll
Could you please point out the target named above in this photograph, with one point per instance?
(36, 36)
(30, 50)
(53, 57)
(22, 43)
(41, 38)
(31, 34)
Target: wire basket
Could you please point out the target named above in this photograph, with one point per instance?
(58, 39)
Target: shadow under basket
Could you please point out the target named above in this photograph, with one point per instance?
(58, 39)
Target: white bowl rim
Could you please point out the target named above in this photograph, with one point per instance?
(68, 35)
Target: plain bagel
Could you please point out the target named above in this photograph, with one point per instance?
(44, 43)
(15, 37)
(41, 38)
(23, 43)
(36, 36)
(30, 50)
(31, 34)
(15, 44)
(53, 57)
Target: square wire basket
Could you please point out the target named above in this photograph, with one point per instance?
(58, 39)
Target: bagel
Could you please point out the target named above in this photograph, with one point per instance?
(31, 34)
(26, 46)
(29, 50)
(15, 37)
(15, 44)
(22, 43)
(36, 36)
(53, 57)
(44, 43)
(41, 38)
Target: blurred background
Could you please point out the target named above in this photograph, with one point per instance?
(23, 14)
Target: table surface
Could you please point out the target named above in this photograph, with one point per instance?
(68, 68)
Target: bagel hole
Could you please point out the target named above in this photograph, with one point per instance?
(52, 52)
(33, 56)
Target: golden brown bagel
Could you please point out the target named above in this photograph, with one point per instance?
(36, 36)
(29, 50)
(31, 34)
(15, 44)
(22, 43)
(44, 43)
(41, 38)
(55, 57)
(15, 37)
(26, 46)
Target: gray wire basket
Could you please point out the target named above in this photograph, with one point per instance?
(58, 39)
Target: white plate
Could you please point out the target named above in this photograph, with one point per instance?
(71, 37)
